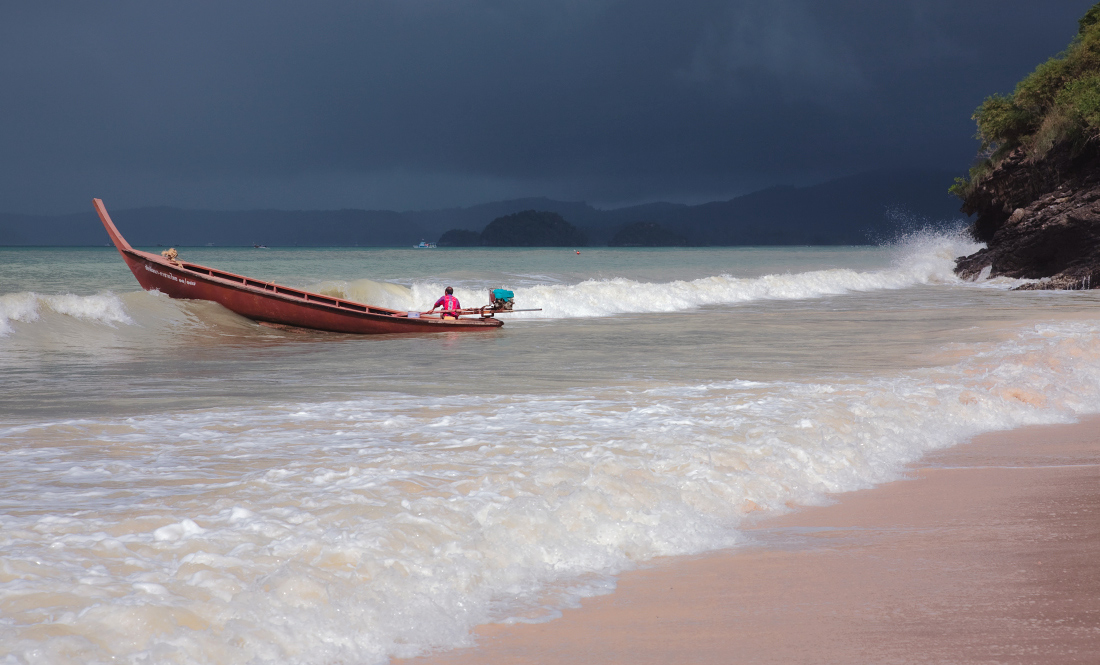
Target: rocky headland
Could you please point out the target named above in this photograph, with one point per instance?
(1036, 192)
(1040, 220)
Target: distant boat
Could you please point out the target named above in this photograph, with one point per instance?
(253, 246)
(271, 303)
(424, 245)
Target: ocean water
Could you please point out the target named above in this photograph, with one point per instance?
(181, 485)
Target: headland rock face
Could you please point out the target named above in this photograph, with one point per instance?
(1039, 219)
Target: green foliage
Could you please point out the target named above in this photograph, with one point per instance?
(1057, 128)
(1091, 18)
(963, 186)
(1058, 103)
(1081, 100)
(1036, 92)
(1000, 121)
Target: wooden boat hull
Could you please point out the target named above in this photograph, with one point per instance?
(274, 303)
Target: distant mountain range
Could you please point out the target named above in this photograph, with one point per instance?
(861, 209)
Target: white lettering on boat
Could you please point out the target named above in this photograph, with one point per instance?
(181, 280)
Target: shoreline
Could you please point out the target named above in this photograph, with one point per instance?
(988, 552)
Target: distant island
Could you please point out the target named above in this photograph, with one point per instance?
(865, 208)
(535, 228)
(527, 228)
(1036, 187)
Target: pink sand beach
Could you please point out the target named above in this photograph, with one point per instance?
(988, 553)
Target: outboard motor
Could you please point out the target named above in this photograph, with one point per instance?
(501, 300)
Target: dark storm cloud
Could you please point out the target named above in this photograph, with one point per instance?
(413, 103)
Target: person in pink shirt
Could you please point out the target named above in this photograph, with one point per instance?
(449, 303)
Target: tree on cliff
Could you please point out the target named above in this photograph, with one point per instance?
(1056, 105)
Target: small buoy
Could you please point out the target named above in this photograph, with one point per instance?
(577, 251)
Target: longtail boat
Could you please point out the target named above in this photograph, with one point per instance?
(267, 302)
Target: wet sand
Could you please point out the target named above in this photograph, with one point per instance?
(988, 553)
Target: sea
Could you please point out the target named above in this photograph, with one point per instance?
(182, 485)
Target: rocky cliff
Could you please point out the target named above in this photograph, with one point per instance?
(1040, 220)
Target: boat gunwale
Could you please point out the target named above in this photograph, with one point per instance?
(250, 284)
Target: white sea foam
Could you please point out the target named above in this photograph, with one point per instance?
(920, 259)
(923, 258)
(17, 307)
(350, 531)
(27, 307)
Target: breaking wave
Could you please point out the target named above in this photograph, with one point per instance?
(28, 307)
(922, 258)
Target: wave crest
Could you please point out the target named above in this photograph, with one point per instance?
(27, 307)
(922, 258)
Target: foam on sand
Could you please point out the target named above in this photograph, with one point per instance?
(357, 530)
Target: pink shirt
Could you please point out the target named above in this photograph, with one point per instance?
(448, 302)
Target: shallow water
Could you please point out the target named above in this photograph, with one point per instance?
(183, 485)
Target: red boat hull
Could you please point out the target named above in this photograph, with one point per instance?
(274, 303)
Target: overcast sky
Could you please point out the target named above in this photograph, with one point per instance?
(411, 104)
